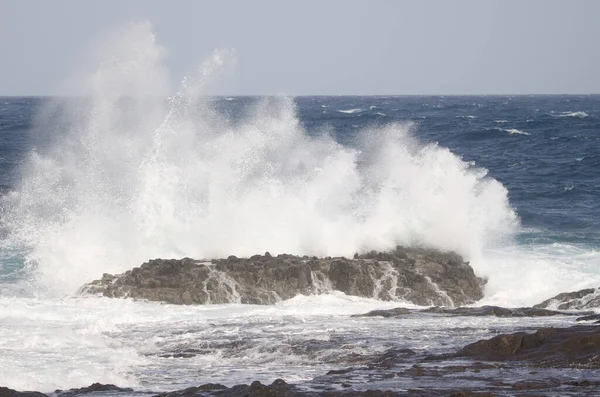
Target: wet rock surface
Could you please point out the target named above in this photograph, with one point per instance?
(583, 299)
(481, 311)
(574, 347)
(420, 276)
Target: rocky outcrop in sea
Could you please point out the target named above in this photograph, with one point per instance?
(420, 276)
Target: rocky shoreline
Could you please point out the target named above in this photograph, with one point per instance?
(541, 361)
(424, 277)
(546, 362)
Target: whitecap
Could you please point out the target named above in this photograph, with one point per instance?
(579, 114)
(380, 114)
(512, 131)
(351, 111)
(500, 121)
(466, 117)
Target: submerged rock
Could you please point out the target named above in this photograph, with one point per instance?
(420, 276)
(583, 299)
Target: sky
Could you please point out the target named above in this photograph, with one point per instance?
(315, 47)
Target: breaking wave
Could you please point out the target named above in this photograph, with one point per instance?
(124, 176)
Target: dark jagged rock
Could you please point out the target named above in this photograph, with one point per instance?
(95, 387)
(279, 388)
(473, 312)
(575, 347)
(583, 299)
(420, 276)
(6, 392)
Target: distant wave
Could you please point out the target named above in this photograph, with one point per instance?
(466, 117)
(579, 114)
(500, 121)
(380, 114)
(351, 111)
(512, 131)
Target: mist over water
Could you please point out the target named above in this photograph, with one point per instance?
(124, 176)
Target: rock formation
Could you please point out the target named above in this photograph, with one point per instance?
(420, 276)
(584, 299)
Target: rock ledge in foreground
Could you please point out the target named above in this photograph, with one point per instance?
(419, 276)
(574, 347)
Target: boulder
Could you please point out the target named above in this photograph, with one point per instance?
(574, 347)
(419, 276)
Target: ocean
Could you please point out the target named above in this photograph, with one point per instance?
(102, 184)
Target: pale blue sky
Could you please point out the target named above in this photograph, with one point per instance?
(325, 47)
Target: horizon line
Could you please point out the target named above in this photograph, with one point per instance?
(308, 95)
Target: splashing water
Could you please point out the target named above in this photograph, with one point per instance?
(125, 176)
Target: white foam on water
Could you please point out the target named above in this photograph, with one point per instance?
(529, 274)
(514, 131)
(72, 342)
(579, 114)
(350, 111)
(127, 177)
